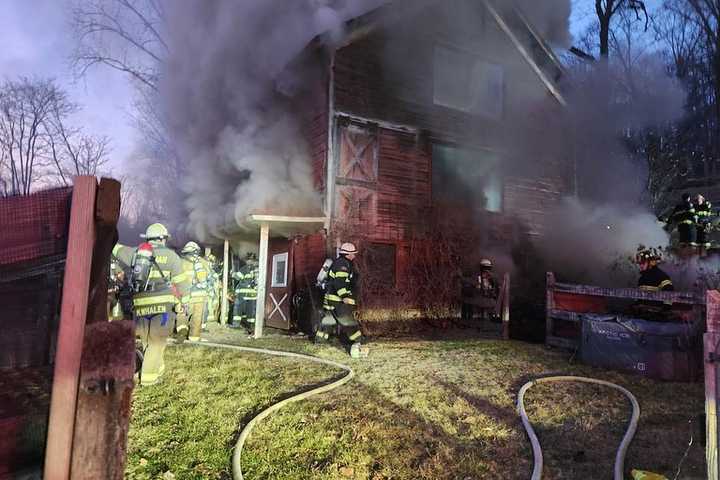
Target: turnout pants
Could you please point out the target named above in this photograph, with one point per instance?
(153, 331)
(341, 318)
(197, 314)
(687, 234)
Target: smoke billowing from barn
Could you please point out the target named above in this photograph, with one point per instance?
(229, 97)
(239, 71)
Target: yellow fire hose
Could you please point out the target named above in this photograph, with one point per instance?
(537, 451)
(245, 433)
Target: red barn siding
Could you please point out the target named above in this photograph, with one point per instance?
(309, 255)
(404, 184)
(315, 131)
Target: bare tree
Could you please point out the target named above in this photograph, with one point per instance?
(38, 147)
(125, 35)
(607, 10)
(26, 107)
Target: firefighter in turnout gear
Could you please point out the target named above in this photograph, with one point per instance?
(683, 215)
(246, 293)
(158, 282)
(704, 213)
(652, 278)
(196, 302)
(340, 302)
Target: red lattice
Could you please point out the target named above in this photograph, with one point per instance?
(34, 226)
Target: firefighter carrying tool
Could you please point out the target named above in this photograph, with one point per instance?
(339, 303)
(196, 302)
(158, 282)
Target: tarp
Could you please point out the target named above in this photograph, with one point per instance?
(658, 350)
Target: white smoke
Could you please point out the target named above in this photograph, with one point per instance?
(593, 243)
(230, 95)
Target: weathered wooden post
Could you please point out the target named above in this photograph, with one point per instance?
(226, 279)
(262, 279)
(73, 313)
(711, 358)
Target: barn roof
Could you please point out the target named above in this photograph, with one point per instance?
(548, 71)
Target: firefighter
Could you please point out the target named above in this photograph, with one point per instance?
(683, 215)
(158, 282)
(246, 293)
(196, 302)
(489, 290)
(340, 302)
(704, 213)
(652, 277)
(119, 293)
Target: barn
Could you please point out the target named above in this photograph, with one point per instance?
(423, 131)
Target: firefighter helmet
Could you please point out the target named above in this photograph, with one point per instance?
(646, 254)
(486, 264)
(155, 231)
(348, 249)
(191, 247)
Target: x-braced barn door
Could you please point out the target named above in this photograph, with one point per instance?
(357, 173)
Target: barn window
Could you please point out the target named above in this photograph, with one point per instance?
(468, 177)
(464, 82)
(379, 261)
(279, 270)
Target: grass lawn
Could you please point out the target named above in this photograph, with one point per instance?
(417, 409)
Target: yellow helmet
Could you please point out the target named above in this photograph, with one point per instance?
(191, 247)
(156, 231)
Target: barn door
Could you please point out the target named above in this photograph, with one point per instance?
(278, 296)
(357, 174)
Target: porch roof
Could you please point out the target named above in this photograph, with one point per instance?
(287, 226)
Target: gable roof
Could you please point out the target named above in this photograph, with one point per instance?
(394, 10)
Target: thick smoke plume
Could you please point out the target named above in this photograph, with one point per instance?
(229, 97)
(593, 243)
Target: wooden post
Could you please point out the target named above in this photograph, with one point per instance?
(505, 312)
(73, 312)
(102, 415)
(262, 279)
(226, 272)
(549, 306)
(710, 357)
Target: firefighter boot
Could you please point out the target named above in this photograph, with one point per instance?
(358, 350)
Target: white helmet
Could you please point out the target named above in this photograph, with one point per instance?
(348, 249)
(486, 264)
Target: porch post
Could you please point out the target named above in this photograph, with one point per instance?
(262, 279)
(224, 296)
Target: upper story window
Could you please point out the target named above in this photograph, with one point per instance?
(464, 82)
(468, 177)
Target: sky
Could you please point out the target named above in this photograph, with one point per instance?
(37, 41)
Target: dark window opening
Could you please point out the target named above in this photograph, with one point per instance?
(379, 262)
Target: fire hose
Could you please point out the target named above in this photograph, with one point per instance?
(245, 433)
(537, 451)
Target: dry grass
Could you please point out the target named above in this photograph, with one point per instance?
(417, 409)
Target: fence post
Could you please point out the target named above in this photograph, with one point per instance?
(73, 313)
(710, 357)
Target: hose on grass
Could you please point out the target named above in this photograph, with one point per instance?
(245, 433)
(537, 451)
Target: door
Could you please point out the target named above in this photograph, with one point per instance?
(278, 296)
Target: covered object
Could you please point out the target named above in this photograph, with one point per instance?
(657, 350)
